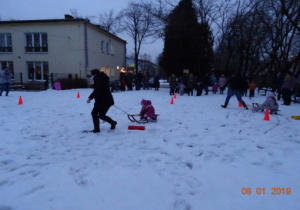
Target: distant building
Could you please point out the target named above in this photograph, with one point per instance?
(36, 49)
(144, 65)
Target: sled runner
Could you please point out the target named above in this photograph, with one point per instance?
(274, 111)
(133, 118)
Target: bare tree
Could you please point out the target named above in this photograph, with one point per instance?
(291, 9)
(160, 10)
(108, 21)
(75, 14)
(137, 22)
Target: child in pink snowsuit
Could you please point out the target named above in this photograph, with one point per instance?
(215, 88)
(147, 109)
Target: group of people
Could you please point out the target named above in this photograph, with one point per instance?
(188, 83)
(140, 81)
(237, 85)
(5, 80)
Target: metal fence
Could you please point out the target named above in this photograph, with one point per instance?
(68, 81)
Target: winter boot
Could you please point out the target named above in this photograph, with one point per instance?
(224, 106)
(245, 106)
(95, 131)
(110, 121)
(113, 125)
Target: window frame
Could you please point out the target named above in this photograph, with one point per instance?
(36, 42)
(32, 70)
(7, 45)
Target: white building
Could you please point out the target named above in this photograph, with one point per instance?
(37, 49)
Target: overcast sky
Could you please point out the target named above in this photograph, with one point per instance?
(56, 9)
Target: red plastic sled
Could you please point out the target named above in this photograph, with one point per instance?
(136, 127)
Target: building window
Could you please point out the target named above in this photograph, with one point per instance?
(102, 46)
(5, 42)
(10, 65)
(37, 70)
(107, 71)
(112, 49)
(36, 42)
(112, 72)
(107, 47)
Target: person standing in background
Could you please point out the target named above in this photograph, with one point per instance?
(5, 80)
(287, 88)
(221, 83)
(172, 83)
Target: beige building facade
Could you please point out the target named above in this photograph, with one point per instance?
(36, 49)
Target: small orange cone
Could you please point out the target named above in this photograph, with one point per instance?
(267, 117)
(240, 105)
(20, 101)
(172, 101)
(78, 95)
(174, 95)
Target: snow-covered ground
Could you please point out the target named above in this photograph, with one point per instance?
(196, 156)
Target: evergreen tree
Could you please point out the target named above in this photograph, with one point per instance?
(188, 44)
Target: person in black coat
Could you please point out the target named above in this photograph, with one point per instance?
(103, 100)
(237, 85)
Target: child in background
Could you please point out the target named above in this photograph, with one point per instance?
(199, 88)
(147, 109)
(181, 88)
(215, 88)
(252, 86)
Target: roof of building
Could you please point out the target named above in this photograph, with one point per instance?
(68, 18)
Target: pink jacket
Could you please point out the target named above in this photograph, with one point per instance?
(147, 109)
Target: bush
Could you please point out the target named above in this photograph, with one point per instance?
(72, 83)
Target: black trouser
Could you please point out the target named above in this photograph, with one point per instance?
(222, 90)
(190, 91)
(206, 89)
(251, 94)
(279, 94)
(172, 91)
(100, 112)
(199, 92)
(287, 96)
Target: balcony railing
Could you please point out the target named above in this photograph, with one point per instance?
(36, 48)
(5, 49)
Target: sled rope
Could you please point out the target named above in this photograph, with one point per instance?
(121, 109)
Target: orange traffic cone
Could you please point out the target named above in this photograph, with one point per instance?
(20, 101)
(174, 95)
(78, 95)
(172, 101)
(267, 117)
(240, 105)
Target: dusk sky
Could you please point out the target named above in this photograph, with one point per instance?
(56, 9)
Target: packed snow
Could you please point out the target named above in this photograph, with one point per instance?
(196, 156)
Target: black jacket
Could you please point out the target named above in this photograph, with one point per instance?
(237, 83)
(101, 93)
